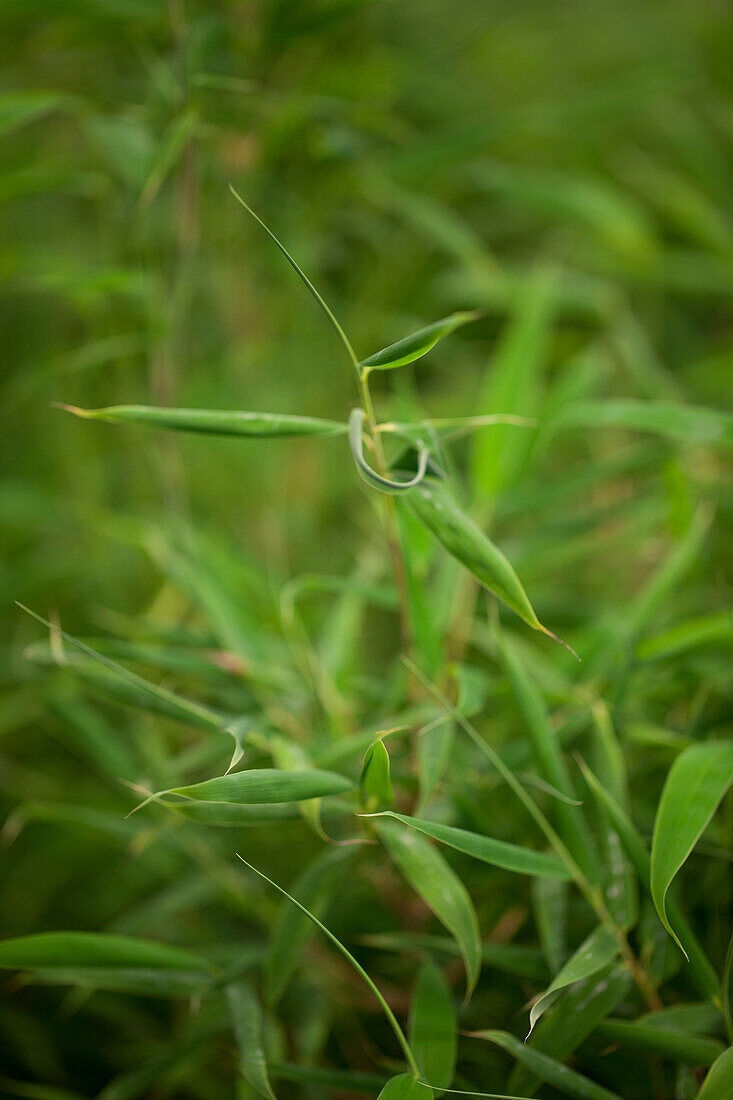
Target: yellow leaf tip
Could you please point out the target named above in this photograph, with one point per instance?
(564, 644)
(70, 408)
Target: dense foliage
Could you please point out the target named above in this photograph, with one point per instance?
(367, 720)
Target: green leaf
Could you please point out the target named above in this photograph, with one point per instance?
(214, 421)
(692, 1050)
(441, 890)
(695, 785)
(263, 785)
(246, 1016)
(699, 631)
(552, 1072)
(718, 1085)
(314, 887)
(435, 507)
(512, 385)
(98, 960)
(633, 844)
(66, 949)
(405, 1087)
(433, 1026)
(375, 783)
(236, 815)
(499, 853)
(418, 343)
(344, 1081)
(596, 952)
(571, 820)
(18, 108)
(434, 747)
(550, 910)
(511, 958)
(568, 1023)
(687, 423)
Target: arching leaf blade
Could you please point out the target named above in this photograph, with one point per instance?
(440, 888)
(498, 853)
(246, 1016)
(418, 343)
(214, 421)
(432, 1031)
(695, 785)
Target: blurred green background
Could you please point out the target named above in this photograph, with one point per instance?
(416, 158)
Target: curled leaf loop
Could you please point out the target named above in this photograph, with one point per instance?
(383, 484)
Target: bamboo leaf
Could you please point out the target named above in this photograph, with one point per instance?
(633, 844)
(572, 824)
(441, 890)
(433, 1026)
(246, 1016)
(99, 960)
(552, 1072)
(687, 423)
(405, 1087)
(697, 781)
(418, 343)
(513, 385)
(375, 782)
(263, 785)
(433, 504)
(595, 953)
(499, 853)
(568, 1023)
(692, 1050)
(67, 949)
(718, 1085)
(214, 421)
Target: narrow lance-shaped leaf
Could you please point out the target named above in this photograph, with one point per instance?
(499, 853)
(246, 1017)
(572, 824)
(129, 687)
(375, 782)
(418, 343)
(433, 504)
(701, 968)
(552, 1072)
(441, 890)
(697, 781)
(262, 785)
(596, 952)
(513, 385)
(433, 1026)
(214, 421)
(688, 423)
(691, 1050)
(96, 960)
(566, 1025)
(65, 949)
